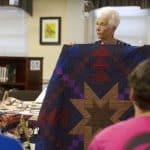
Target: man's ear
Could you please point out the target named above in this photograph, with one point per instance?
(132, 94)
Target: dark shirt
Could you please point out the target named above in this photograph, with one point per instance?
(117, 43)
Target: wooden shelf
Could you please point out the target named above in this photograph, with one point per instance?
(12, 83)
(28, 72)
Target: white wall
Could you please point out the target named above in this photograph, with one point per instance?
(75, 27)
(50, 53)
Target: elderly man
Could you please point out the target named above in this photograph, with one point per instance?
(133, 133)
(106, 24)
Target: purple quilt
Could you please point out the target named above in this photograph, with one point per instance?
(87, 92)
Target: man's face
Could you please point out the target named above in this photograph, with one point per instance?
(103, 29)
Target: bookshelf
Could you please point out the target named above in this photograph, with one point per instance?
(23, 73)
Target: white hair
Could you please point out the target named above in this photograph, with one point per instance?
(113, 15)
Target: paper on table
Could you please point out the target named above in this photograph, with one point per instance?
(40, 98)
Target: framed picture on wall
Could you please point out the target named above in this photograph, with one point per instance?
(50, 30)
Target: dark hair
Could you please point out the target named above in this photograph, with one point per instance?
(139, 80)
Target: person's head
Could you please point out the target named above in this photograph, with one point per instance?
(106, 23)
(139, 81)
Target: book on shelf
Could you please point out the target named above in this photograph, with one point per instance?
(11, 68)
(3, 74)
(8, 73)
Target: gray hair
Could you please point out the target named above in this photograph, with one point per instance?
(113, 15)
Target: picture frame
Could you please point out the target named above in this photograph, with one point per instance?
(50, 30)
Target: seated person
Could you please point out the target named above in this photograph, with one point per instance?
(8, 143)
(134, 132)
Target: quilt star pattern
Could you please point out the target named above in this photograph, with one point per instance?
(87, 92)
